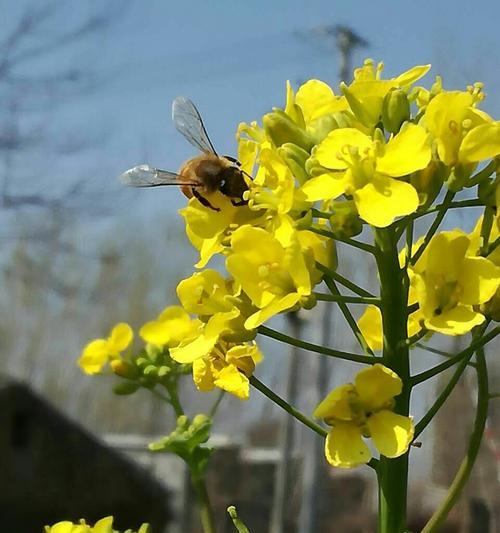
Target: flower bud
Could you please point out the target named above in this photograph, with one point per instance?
(492, 308)
(345, 221)
(295, 158)
(281, 129)
(125, 388)
(395, 110)
(457, 180)
(322, 126)
(124, 369)
(313, 168)
(428, 181)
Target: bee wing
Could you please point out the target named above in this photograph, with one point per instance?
(187, 120)
(146, 176)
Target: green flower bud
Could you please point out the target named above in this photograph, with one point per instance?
(457, 180)
(363, 113)
(345, 221)
(125, 388)
(124, 369)
(428, 181)
(281, 129)
(322, 126)
(395, 110)
(295, 157)
(304, 222)
(308, 302)
(313, 168)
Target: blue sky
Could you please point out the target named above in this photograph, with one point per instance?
(232, 59)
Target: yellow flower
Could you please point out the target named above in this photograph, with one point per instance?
(105, 525)
(463, 133)
(172, 326)
(207, 230)
(97, 352)
(228, 367)
(366, 169)
(449, 283)
(275, 278)
(364, 409)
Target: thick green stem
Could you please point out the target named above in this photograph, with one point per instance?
(393, 473)
(462, 476)
(268, 332)
(205, 509)
(174, 398)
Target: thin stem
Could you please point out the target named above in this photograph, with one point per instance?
(462, 476)
(349, 318)
(426, 419)
(346, 299)
(482, 174)
(287, 407)
(316, 213)
(348, 284)
(493, 246)
(439, 352)
(205, 509)
(162, 397)
(174, 398)
(424, 376)
(216, 404)
(494, 395)
(434, 226)
(268, 332)
(418, 336)
(238, 524)
(346, 240)
(486, 230)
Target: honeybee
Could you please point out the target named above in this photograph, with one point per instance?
(201, 175)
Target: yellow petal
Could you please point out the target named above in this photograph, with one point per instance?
(94, 356)
(104, 525)
(345, 448)
(479, 280)
(232, 380)
(377, 385)
(391, 433)
(120, 338)
(407, 152)
(316, 99)
(199, 347)
(446, 252)
(203, 375)
(412, 75)
(334, 150)
(336, 406)
(326, 186)
(480, 143)
(276, 306)
(457, 321)
(370, 324)
(384, 199)
(155, 332)
(62, 527)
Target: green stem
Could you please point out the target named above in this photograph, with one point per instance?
(426, 419)
(316, 213)
(216, 404)
(205, 509)
(349, 318)
(287, 407)
(238, 524)
(351, 242)
(340, 298)
(494, 395)
(430, 349)
(393, 473)
(462, 476)
(494, 245)
(482, 174)
(418, 336)
(434, 226)
(174, 398)
(486, 230)
(268, 332)
(348, 284)
(424, 376)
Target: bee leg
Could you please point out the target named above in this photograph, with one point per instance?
(233, 160)
(203, 200)
(239, 202)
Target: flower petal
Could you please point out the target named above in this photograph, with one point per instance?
(203, 376)
(333, 151)
(94, 356)
(408, 151)
(480, 143)
(479, 279)
(276, 306)
(120, 338)
(326, 186)
(457, 321)
(376, 386)
(232, 380)
(345, 448)
(188, 353)
(391, 433)
(384, 199)
(337, 404)
(370, 324)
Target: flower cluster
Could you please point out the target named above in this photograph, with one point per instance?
(105, 525)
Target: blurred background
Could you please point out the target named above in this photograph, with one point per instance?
(85, 93)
